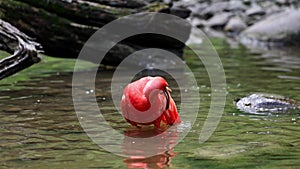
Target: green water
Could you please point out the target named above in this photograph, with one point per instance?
(39, 127)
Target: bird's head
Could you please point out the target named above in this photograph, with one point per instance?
(158, 84)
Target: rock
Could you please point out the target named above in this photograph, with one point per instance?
(255, 10)
(219, 20)
(236, 5)
(214, 33)
(198, 22)
(285, 2)
(180, 12)
(277, 29)
(235, 25)
(198, 8)
(213, 9)
(262, 103)
(282, 2)
(273, 9)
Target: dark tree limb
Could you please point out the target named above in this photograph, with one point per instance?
(63, 26)
(24, 49)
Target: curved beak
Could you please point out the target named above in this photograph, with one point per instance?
(169, 89)
(167, 94)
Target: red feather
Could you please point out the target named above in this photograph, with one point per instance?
(147, 101)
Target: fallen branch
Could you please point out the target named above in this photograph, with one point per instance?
(24, 49)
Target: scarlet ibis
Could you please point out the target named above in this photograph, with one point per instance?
(148, 101)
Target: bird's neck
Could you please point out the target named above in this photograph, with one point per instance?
(153, 86)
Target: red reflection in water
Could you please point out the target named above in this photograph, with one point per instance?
(140, 143)
(157, 161)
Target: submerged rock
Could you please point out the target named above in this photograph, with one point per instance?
(261, 103)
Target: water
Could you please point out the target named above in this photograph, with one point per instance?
(39, 127)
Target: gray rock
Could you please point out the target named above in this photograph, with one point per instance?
(219, 20)
(255, 10)
(282, 2)
(198, 22)
(273, 9)
(213, 9)
(263, 103)
(278, 29)
(286, 2)
(236, 5)
(214, 33)
(236, 25)
(196, 8)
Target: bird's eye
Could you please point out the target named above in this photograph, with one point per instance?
(237, 100)
(247, 104)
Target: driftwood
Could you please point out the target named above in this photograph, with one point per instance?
(24, 49)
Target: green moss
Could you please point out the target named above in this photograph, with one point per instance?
(3, 54)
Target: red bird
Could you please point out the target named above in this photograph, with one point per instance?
(147, 101)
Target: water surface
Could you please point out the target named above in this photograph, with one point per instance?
(39, 127)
